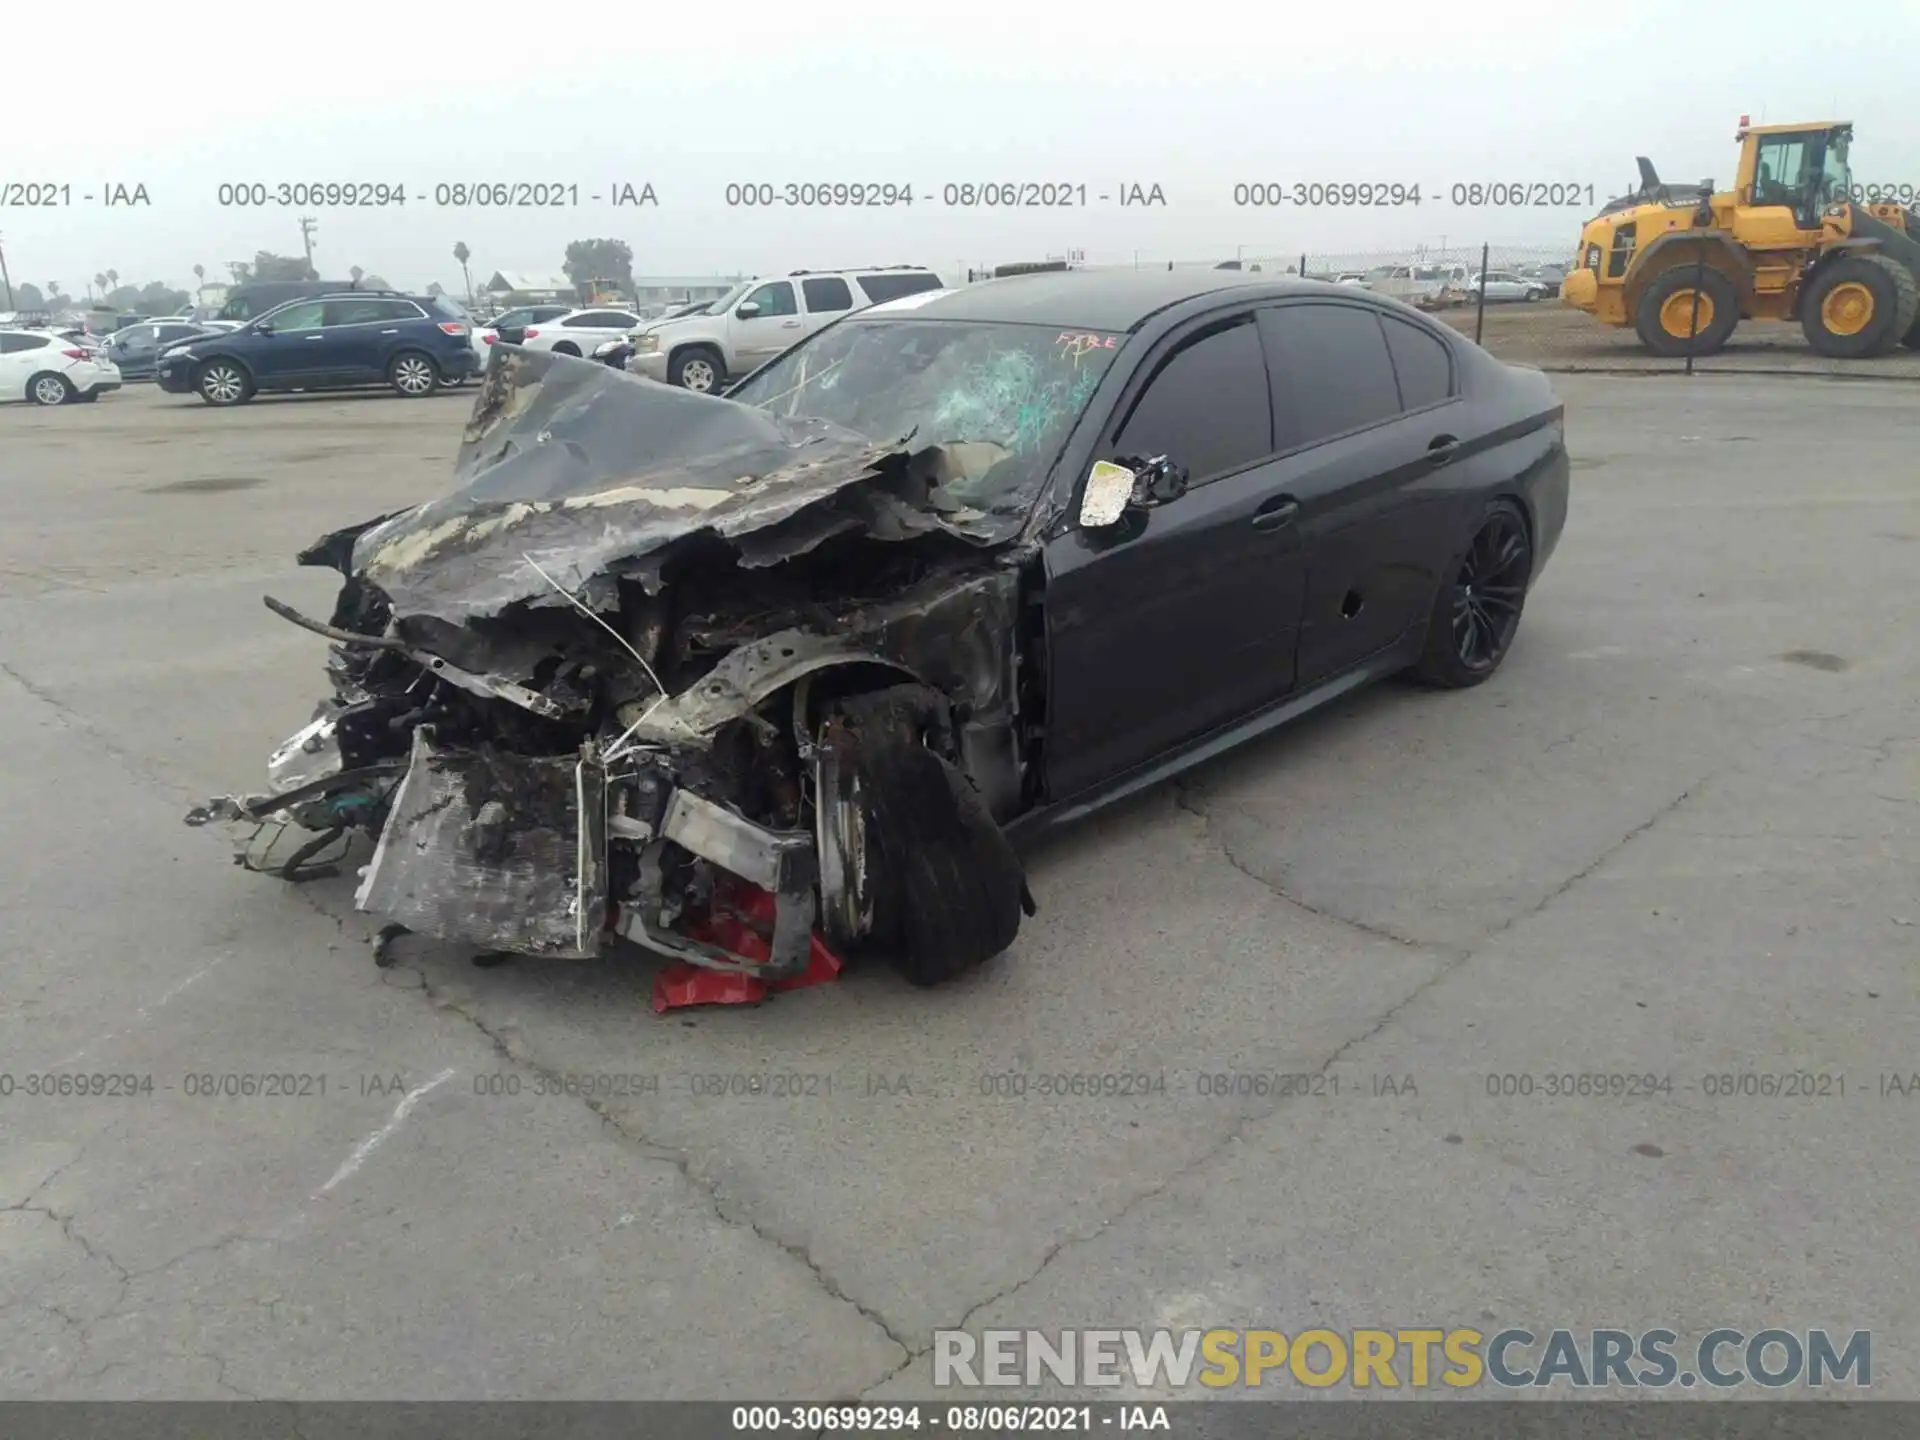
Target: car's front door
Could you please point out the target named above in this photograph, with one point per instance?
(293, 350)
(1367, 407)
(1188, 619)
(771, 326)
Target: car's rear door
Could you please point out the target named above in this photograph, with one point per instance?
(826, 298)
(1187, 621)
(364, 333)
(1368, 408)
(17, 362)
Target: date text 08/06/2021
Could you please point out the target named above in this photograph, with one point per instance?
(909, 1417)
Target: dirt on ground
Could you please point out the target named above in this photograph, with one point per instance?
(1555, 337)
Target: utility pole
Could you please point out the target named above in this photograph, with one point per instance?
(6, 278)
(308, 224)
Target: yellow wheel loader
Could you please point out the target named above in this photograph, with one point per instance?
(1795, 239)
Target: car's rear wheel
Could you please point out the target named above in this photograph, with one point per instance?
(221, 382)
(412, 374)
(698, 369)
(1477, 610)
(912, 864)
(49, 389)
(567, 347)
(1859, 306)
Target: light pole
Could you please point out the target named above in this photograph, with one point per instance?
(4, 277)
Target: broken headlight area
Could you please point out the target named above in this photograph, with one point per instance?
(753, 726)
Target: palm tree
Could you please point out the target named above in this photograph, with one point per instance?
(462, 254)
(100, 282)
(200, 273)
(355, 273)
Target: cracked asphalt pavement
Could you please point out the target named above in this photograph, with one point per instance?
(1674, 837)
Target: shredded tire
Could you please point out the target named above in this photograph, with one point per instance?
(948, 891)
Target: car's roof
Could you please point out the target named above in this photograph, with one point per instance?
(1092, 299)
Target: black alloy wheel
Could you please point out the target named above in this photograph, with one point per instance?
(1489, 590)
(1477, 612)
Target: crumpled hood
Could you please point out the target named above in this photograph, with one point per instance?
(577, 467)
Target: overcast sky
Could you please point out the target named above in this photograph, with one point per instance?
(689, 100)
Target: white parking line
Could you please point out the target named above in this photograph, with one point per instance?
(144, 1012)
(379, 1137)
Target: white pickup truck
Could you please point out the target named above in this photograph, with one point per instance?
(1430, 285)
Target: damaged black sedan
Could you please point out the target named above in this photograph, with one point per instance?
(756, 680)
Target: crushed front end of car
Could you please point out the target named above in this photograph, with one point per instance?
(663, 666)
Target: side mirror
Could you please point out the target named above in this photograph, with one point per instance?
(748, 310)
(263, 327)
(1109, 491)
(1115, 489)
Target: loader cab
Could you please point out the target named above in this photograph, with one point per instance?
(1793, 171)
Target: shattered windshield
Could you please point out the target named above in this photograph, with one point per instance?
(1000, 398)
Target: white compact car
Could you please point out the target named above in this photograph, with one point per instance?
(46, 368)
(508, 327)
(1504, 285)
(579, 332)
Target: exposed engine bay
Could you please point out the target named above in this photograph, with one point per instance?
(666, 667)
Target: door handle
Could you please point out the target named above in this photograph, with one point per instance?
(316, 337)
(389, 332)
(1277, 513)
(1442, 449)
(790, 325)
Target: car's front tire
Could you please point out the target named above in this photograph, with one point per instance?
(50, 389)
(1476, 612)
(412, 375)
(913, 865)
(698, 368)
(221, 382)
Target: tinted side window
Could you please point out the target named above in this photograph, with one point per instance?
(601, 320)
(1422, 363)
(301, 315)
(368, 312)
(13, 344)
(774, 299)
(829, 292)
(881, 288)
(176, 332)
(1208, 408)
(1332, 371)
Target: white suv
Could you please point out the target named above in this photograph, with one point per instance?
(761, 318)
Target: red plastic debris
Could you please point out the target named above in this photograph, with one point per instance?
(741, 921)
